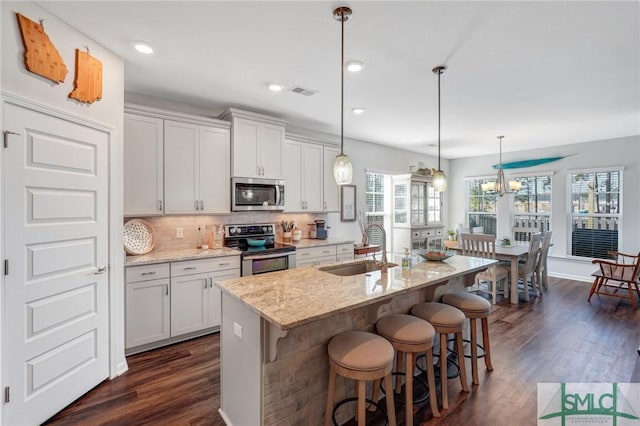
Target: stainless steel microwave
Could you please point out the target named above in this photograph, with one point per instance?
(251, 194)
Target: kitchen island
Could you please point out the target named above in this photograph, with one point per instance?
(275, 328)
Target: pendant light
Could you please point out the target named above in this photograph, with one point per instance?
(342, 170)
(501, 184)
(439, 180)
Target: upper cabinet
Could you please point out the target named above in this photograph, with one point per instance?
(257, 144)
(196, 169)
(143, 157)
(331, 202)
(415, 202)
(175, 163)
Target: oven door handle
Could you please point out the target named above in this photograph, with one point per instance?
(269, 256)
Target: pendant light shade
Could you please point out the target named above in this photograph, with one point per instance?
(503, 187)
(439, 179)
(342, 170)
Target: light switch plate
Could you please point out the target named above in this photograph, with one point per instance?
(237, 329)
(179, 233)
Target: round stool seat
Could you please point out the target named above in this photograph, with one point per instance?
(470, 304)
(439, 315)
(405, 329)
(359, 350)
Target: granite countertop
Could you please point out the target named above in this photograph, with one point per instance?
(176, 255)
(295, 297)
(310, 242)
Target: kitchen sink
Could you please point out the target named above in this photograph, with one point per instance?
(355, 268)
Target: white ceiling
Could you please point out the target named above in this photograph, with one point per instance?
(541, 73)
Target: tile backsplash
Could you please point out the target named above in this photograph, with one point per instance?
(165, 226)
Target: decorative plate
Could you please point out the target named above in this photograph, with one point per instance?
(139, 237)
(436, 256)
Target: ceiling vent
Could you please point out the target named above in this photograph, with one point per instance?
(303, 91)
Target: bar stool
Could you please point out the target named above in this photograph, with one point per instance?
(360, 356)
(474, 307)
(445, 319)
(409, 336)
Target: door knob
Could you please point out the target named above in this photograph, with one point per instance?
(101, 270)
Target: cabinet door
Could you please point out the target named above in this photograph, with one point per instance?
(215, 297)
(330, 187)
(180, 146)
(214, 187)
(143, 157)
(293, 176)
(147, 312)
(434, 206)
(271, 141)
(245, 148)
(312, 181)
(401, 203)
(189, 303)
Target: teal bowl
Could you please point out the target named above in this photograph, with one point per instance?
(256, 243)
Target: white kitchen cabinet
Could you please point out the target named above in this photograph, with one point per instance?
(143, 165)
(195, 299)
(344, 252)
(257, 144)
(168, 302)
(147, 304)
(303, 177)
(315, 255)
(196, 169)
(331, 202)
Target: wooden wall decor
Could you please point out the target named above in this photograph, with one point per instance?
(87, 86)
(40, 55)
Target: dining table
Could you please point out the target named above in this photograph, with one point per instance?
(512, 253)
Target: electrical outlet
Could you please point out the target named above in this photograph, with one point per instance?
(179, 233)
(237, 329)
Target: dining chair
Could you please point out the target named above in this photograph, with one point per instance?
(527, 270)
(541, 266)
(622, 273)
(520, 233)
(484, 245)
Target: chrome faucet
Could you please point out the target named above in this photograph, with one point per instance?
(365, 238)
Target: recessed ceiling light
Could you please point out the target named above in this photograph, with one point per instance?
(143, 47)
(357, 110)
(275, 87)
(355, 66)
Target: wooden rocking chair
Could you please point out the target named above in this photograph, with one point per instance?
(617, 279)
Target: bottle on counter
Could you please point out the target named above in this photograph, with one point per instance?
(406, 259)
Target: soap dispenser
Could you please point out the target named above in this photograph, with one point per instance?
(406, 259)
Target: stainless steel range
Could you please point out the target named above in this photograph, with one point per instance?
(260, 252)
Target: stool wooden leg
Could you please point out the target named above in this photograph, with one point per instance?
(399, 358)
(391, 409)
(362, 394)
(485, 343)
(431, 381)
(410, 359)
(461, 362)
(443, 370)
(330, 396)
(474, 352)
(375, 394)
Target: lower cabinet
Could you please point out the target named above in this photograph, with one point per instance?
(168, 302)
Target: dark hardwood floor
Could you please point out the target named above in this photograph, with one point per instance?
(557, 337)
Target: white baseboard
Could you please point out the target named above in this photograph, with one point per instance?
(224, 417)
(122, 367)
(587, 279)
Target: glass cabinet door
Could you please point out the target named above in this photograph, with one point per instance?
(418, 203)
(434, 206)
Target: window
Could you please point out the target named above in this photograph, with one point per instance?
(532, 203)
(481, 209)
(374, 199)
(595, 212)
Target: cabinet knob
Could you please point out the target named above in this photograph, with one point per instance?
(160, 205)
(101, 270)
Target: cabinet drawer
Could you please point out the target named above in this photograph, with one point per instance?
(438, 232)
(343, 257)
(147, 272)
(314, 252)
(321, 260)
(342, 249)
(189, 267)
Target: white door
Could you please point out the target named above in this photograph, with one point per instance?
(214, 160)
(331, 194)
(293, 176)
(312, 173)
(55, 336)
(272, 151)
(188, 303)
(180, 173)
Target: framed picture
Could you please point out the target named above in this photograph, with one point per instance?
(348, 203)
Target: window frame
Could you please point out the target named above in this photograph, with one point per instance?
(514, 214)
(468, 212)
(571, 215)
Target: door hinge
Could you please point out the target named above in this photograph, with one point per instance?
(6, 266)
(7, 394)
(5, 136)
